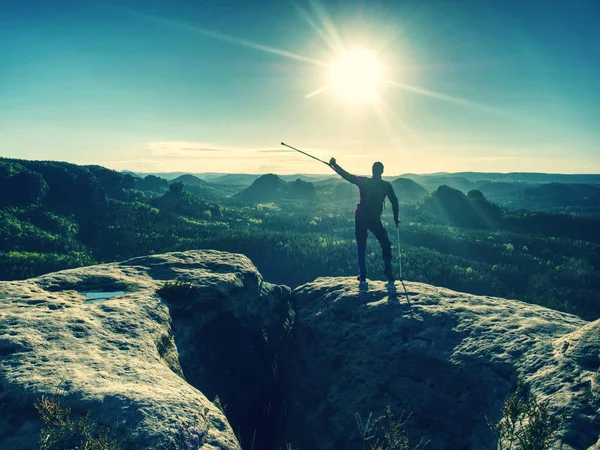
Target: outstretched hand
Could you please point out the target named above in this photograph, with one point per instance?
(332, 161)
(396, 221)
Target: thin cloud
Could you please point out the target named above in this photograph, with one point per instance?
(488, 158)
(201, 149)
(185, 147)
(269, 167)
(358, 156)
(275, 151)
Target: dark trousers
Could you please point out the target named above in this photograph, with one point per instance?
(362, 226)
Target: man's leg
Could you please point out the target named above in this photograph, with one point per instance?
(386, 246)
(360, 231)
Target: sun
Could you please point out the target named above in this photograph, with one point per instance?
(356, 75)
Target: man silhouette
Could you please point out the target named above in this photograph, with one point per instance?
(373, 192)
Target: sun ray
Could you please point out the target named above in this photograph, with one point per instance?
(384, 120)
(384, 114)
(322, 34)
(448, 98)
(222, 37)
(328, 25)
(317, 92)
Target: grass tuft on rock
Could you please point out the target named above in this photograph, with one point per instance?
(386, 432)
(526, 423)
(60, 431)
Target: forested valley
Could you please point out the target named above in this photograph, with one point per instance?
(57, 215)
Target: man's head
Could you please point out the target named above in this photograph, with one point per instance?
(377, 169)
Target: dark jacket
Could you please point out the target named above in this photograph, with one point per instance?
(373, 192)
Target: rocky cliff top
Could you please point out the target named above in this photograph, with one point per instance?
(147, 356)
(451, 358)
(102, 337)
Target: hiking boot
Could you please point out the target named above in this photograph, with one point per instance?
(389, 274)
(362, 278)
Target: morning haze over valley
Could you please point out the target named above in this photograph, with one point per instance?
(300, 225)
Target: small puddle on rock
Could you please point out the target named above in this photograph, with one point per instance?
(94, 296)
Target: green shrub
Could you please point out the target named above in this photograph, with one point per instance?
(60, 431)
(526, 423)
(386, 432)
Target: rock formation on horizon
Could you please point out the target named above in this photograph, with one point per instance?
(288, 367)
(408, 190)
(266, 188)
(272, 188)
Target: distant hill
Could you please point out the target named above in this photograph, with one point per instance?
(432, 182)
(271, 188)
(408, 190)
(556, 193)
(190, 180)
(304, 177)
(71, 187)
(62, 185)
(301, 190)
(204, 189)
(165, 175)
(443, 177)
(336, 188)
(533, 177)
(511, 177)
(19, 186)
(329, 181)
(503, 192)
(267, 188)
(241, 179)
(574, 193)
(345, 191)
(556, 197)
(453, 207)
(235, 179)
(178, 200)
(129, 172)
(578, 198)
(153, 185)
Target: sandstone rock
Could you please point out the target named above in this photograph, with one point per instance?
(287, 366)
(118, 357)
(450, 358)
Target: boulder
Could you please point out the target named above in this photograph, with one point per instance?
(147, 345)
(451, 359)
(104, 340)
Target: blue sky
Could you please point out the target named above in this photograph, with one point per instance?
(210, 85)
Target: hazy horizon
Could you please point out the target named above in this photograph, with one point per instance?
(333, 174)
(474, 86)
(365, 171)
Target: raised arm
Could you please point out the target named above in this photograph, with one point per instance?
(394, 200)
(341, 172)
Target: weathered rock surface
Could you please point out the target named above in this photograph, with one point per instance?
(118, 357)
(450, 358)
(288, 366)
